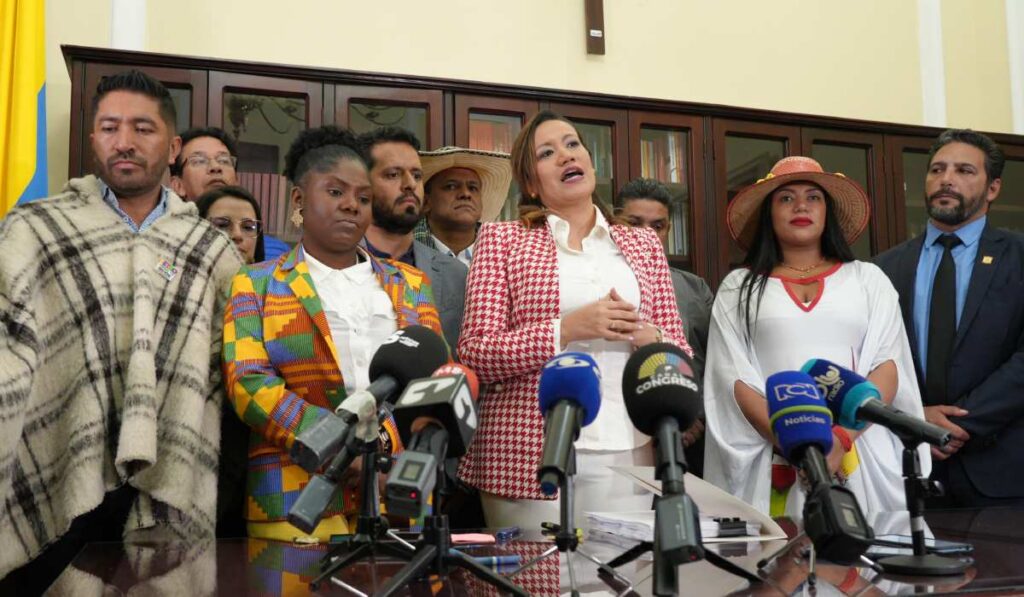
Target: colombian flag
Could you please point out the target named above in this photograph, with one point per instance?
(22, 102)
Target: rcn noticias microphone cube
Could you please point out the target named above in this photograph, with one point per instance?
(797, 413)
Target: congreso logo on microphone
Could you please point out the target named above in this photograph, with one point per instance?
(665, 369)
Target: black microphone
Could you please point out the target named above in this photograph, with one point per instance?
(448, 398)
(570, 396)
(436, 419)
(662, 397)
(410, 352)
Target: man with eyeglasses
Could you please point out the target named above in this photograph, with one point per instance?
(208, 161)
(645, 202)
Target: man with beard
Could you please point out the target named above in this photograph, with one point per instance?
(111, 309)
(396, 176)
(208, 160)
(961, 287)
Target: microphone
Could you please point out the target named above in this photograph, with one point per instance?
(662, 397)
(855, 402)
(802, 424)
(570, 396)
(409, 353)
(436, 419)
(446, 399)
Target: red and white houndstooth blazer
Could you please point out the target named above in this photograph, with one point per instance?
(512, 302)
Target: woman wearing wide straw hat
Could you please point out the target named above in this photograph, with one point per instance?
(801, 295)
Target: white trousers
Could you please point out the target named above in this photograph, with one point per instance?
(597, 489)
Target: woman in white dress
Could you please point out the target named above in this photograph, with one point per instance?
(801, 295)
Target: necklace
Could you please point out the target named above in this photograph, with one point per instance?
(803, 271)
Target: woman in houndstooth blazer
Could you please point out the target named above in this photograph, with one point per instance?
(562, 277)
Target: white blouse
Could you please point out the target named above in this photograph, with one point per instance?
(359, 313)
(584, 277)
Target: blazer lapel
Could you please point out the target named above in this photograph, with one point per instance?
(540, 272)
(634, 257)
(990, 250)
(395, 286)
(301, 284)
(906, 278)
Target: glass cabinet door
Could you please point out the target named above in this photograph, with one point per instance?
(365, 108)
(492, 124)
(859, 156)
(744, 153)
(908, 162)
(1007, 211)
(265, 115)
(669, 149)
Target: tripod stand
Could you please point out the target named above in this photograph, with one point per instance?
(917, 488)
(566, 538)
(371, 527)
(433, 553)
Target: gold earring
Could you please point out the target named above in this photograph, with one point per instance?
(297, 217)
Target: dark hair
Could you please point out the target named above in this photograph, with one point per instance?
(195, 133)
(207, 199)
(645, 188)
(765, 253)
(386, 134)
(994, 158)
(320, 148)
(524, 169)
(138, 82)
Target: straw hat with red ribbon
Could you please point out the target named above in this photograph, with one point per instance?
(850, 201)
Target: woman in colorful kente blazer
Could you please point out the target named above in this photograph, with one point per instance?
(300, 331)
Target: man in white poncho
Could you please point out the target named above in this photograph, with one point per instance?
(807, 298)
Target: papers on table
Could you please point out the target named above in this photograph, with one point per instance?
(711, 501)
(639, 526)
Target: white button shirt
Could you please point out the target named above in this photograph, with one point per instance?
(359, 313)
(585, 277)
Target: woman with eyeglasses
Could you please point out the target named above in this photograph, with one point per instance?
(234, 211)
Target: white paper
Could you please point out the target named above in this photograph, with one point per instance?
(711, 501)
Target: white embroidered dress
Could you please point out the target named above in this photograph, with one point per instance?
(853, 321)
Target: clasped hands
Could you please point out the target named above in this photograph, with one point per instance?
(610, 318)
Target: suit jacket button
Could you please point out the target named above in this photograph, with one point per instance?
(497, 387)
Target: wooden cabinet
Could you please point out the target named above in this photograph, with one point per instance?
(704, 153)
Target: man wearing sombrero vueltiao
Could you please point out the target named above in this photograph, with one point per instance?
(462, 188)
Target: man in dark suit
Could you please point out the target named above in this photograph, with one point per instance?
(396, 176)
(645, 202)
(961, 287)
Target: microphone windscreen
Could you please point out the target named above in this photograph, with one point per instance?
(571, 376)
(797, 413)
(658, 382)
(409, 353)
(844, 391)
(460, 369)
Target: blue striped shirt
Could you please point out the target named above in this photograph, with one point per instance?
(111, 200)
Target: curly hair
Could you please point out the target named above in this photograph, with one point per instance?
(320, 148)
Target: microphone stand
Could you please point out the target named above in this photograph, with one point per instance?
(433, 554)
(677, 538)
(371, 527)
(917, 488)
(567, 539)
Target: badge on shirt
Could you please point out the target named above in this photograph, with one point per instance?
(986, 259)
(167, 269)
